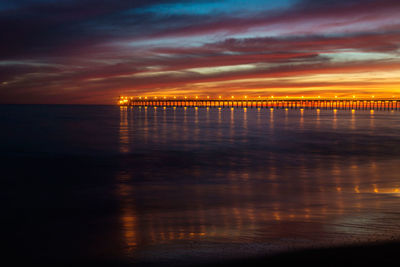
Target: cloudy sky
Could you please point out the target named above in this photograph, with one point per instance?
(92, 51)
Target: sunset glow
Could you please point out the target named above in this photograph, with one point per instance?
(86, 52)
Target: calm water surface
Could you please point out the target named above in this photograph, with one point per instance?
(178, 185)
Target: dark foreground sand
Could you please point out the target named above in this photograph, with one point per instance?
(379, 254)
(387, 254)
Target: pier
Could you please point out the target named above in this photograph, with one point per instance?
(284, 103)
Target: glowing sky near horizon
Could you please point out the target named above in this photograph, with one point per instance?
(91, 51)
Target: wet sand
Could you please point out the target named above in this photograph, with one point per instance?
(373, 254)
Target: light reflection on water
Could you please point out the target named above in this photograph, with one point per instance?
(243, 176)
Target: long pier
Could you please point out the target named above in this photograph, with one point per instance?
(285, 103)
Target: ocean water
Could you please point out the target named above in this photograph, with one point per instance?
(154, 185)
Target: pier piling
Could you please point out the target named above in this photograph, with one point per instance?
(344, 104)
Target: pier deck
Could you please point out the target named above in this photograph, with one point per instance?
(359, 104)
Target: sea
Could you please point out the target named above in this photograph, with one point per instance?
(183, 185)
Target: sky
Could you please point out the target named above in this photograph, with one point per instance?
(93, 51)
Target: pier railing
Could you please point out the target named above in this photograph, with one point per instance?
(366, 104)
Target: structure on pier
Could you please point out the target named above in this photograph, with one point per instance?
(286, 103)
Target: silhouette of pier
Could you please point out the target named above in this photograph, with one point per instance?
(284, 103)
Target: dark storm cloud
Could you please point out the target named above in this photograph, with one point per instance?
(32, 28)
(371, 42)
